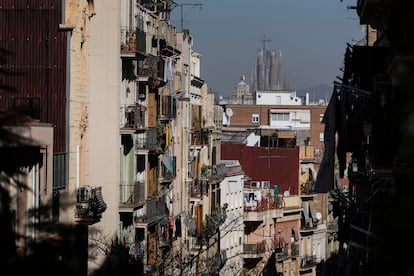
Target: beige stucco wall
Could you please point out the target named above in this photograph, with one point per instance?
(103, 120)
(78, 100)
(94, 108)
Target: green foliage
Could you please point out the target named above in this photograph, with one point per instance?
(245, 272)
(213, 221)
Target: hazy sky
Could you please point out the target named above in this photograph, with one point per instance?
(311, 34)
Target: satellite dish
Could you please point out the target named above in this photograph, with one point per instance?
(229, 112)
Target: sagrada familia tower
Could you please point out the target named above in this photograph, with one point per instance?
(269, 74)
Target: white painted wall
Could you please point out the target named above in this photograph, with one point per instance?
(279, 97)
(231, 231)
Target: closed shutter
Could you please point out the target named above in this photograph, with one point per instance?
(152, 110)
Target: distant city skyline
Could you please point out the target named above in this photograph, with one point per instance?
(311, 35)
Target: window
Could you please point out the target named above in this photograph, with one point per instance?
(266, 184)
(280, 116)
(321, 137)
(255, 118)
(278, 100)
(60, 170)
(320, 117)
(254, 184)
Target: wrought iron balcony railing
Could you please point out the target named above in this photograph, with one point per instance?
(89, 204)
(254, 248)
(132, 194)
(167, 169)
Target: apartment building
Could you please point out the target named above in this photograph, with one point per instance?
(229, 256)
(377, 84)
(264, 206)
(302, 229)
(169, 149)
(59, 78)
(93, 114)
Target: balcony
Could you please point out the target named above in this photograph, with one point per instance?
(132, 41)
(199, 188)
(258, 210)
(200, 136)
(307, 262)
(196, 81)
(89, 205)
(134, 119)
(128, 41)
(168, 108)
(167, 171)
(254, 250)
(146, 140)
(155, 210)
(132, 195)
(167, 50)
(151, 71)
(218, 172)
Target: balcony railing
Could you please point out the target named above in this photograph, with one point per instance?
(167, 169)
(132, 195)
(151, 67)
(147, 140)
(218, 171)
(199, 188)
(254, 248)
(307, 261)
(135, 117)
(266, 203)
(258, 210)
(128, 40)
(132, 40)
(200, 136)
(156, 209)
(168, 107)
(89, 205)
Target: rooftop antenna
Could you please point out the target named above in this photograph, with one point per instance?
(182, 5)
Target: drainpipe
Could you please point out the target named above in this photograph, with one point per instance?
(35, 199)
(77, 166)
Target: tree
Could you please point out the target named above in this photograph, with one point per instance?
(178, 260)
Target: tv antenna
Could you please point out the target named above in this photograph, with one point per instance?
(182, 5)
